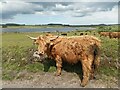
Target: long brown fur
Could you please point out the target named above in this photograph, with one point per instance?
(85, 49)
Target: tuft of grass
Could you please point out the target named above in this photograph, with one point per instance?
(16, 59)
(35, 67)
(109, 57)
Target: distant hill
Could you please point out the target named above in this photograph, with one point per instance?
(11, 24)
(55, 24)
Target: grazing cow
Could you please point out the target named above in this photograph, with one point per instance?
(75, 33)
(85, 49)
(64, 34)
(48, 32)
(81, 34)
(110, 34)
(104, 34)
(114, 34)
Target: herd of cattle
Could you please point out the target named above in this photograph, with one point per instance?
(110, 34)
(74, 49)
(106, 34)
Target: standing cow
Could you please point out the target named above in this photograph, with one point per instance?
(85, 49)
(110, 34)
(114, 34)
(105, 34)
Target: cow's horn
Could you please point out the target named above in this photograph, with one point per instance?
(31, 37)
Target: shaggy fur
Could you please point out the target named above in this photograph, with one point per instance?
(85, 49)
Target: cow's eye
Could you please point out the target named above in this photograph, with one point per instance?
(36, 43)
(34, 40)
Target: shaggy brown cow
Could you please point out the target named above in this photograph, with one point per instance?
(104, 34)
(114, 34)
(71, 49)
(110, 34)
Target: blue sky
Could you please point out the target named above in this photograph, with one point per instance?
(75, 12)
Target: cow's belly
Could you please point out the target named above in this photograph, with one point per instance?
(70, 57)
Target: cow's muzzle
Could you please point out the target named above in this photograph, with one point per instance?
(40, 56)
(36, 54)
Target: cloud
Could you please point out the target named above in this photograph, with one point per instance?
(105, 17)
(79, 9)
(11, 9)
(64, 0)
(61, 7)
(66, 9)
(86, 9)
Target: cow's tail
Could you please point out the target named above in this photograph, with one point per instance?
(96, 61)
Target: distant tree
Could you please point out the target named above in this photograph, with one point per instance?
(4, 26)
(12, 24)
(54, 24)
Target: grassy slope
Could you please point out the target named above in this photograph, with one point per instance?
(17, 52)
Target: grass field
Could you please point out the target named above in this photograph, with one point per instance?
(17, 51)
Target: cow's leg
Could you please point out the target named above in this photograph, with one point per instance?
(58, 65)
(86, 66)
(92, 72)
(95, 64)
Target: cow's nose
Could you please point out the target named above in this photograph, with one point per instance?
(42, 52)
(36, 52)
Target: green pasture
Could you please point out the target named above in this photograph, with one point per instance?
(17, 51)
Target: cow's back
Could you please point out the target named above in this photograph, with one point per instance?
(71, 49)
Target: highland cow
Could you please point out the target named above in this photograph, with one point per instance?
(85, 49)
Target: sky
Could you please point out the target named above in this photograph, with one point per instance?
(76, 12)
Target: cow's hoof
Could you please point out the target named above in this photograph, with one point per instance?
(83, 84)
(57, 74)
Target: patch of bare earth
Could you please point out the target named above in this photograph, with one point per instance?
(49, 80)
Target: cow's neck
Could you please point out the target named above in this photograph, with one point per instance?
(50, 47)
